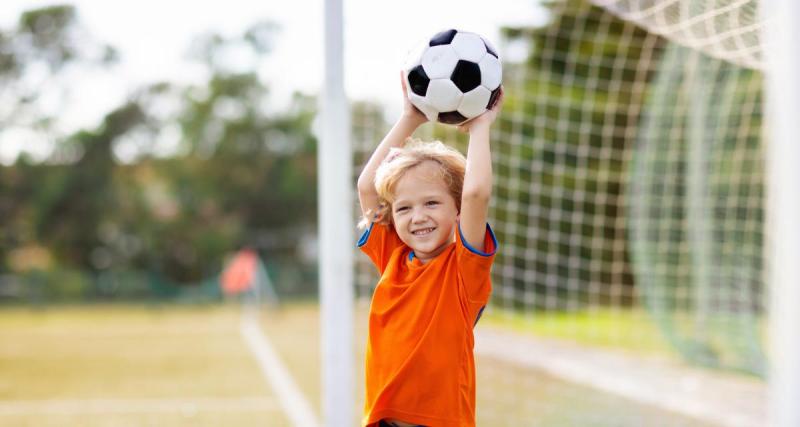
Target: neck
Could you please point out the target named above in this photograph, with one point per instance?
(426, 257)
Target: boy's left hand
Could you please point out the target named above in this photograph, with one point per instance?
(487, 118)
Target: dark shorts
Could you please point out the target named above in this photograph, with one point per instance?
(384, 423)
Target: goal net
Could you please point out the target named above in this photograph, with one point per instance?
(629, 209)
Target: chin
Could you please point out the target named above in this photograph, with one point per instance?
(426, 247)
(429, 248)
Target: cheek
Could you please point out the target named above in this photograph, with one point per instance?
(451, 212)
(396, 220)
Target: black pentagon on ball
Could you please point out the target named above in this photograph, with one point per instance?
(493, 98)
(466, 75)
(490, 50)
(451, 118)
(418, 80)
(444, 37)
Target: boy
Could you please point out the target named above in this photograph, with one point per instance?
(428, 237)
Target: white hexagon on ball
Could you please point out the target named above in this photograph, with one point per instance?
(468, 46)
(474, 102)
(443, 95)
(491, 72)
(423, 106)
(439, 61)
(414, 55)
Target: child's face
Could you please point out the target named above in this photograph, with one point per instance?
(424, 212)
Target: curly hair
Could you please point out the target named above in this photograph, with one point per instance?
(452, 165)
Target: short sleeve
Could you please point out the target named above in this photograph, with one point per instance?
(378, 242)
(475, 266)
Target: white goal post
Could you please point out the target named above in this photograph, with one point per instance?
(782, 36)
(336, 239)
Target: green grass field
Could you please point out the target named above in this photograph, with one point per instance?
(506, 394)
(129, 366)
(120, 365)
(629, 330)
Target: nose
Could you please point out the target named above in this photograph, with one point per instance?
(418, 216)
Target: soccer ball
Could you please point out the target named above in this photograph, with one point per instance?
(453, 77)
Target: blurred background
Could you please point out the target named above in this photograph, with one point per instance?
(158, 184)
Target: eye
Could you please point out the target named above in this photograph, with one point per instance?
(401, 209)
(431, 203)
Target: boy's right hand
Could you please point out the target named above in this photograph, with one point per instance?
(410, 112)
(488, 117)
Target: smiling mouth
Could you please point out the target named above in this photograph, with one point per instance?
(423, 231)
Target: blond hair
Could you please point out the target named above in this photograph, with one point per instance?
(452, 165)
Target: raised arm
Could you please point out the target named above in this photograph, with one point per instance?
(405, 126)
(477, 190)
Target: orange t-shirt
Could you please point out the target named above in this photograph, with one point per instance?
(419, 366)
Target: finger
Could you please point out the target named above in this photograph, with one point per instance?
(498, 102)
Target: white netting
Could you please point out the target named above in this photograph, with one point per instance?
(724, 29)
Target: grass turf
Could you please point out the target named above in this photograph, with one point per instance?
(60, 362)
(193, 358)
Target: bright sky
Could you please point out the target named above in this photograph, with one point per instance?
(152, 37)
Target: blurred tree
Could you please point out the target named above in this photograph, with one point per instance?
(77, 198)
(43, 45)
(243, 173)
(33, 55)
(172, 180)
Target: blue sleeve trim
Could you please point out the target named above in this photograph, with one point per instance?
(475, 251)
(364, 237)
(480, 313)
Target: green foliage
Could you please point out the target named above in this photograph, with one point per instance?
(46, 29)
(111, 199)
(56, 285)
(43, 45)
(80, 196)
(567, 71)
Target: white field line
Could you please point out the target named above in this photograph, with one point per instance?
(294, 403)
(136, 405)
